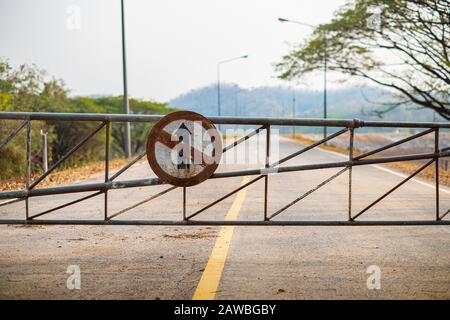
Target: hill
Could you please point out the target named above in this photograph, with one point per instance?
(354, 102)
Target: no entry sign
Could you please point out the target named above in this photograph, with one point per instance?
(184, 148)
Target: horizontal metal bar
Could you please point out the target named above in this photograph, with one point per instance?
(13, 133)
(396, 143)
(54, 116)
(227, 222)
(228, 174)
(81, 188)
(49, 116)
(306, 167)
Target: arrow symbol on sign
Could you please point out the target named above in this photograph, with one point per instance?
(167, 139)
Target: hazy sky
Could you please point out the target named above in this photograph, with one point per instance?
(172, 45)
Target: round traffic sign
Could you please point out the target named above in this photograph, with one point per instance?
(184, 148)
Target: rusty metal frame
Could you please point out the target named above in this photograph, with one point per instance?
(263, 173)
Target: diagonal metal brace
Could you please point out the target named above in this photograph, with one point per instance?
(446, 213)
(394, 144)
(225, 196)
(392, 190)
(66, 204)
(309, 147)
(244, 138)
(308, 193)
(68, 154)
(127, 166)
(13, 133)
(141, 202)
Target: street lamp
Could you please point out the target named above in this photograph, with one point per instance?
(236, 101)
(218, 79)
(293, 106)
(297, 22)
(126, 106)
(324, 73)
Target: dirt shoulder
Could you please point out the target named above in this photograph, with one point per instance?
(65, 176)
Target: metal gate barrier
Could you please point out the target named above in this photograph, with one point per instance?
(110, 181)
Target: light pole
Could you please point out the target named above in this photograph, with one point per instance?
(236, 106)
(236, 101)
(218, 79)
(126, 106)
(293, 106)
(324, 68)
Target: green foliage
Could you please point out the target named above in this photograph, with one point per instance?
(139, 131)
(26, 88)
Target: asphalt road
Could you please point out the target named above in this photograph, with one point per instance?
(182, 262)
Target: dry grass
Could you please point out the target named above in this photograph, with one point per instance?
(404, 166)
(65, 176)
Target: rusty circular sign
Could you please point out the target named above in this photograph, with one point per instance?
(184, 148)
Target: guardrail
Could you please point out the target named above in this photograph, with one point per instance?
(110, 182)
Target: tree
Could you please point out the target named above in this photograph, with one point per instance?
(397, 44)
(139, 131)
(27, 88)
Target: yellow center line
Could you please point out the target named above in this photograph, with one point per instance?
(209, 282)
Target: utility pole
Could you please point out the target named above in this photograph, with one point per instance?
(325, 87)
(293, 106)
(126, 106)
(236, 106)
(236, 102)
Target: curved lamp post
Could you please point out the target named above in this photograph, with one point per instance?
(324, 73)
(218, 79)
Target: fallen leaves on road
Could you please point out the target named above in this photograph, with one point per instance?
(191, 235)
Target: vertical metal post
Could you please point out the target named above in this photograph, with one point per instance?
(28, 169)
(218, 93)
(107, 147)
(126, 105)
(350, 157)
(436, 150)
(184, 203)
(44, 151)
(266, 178)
